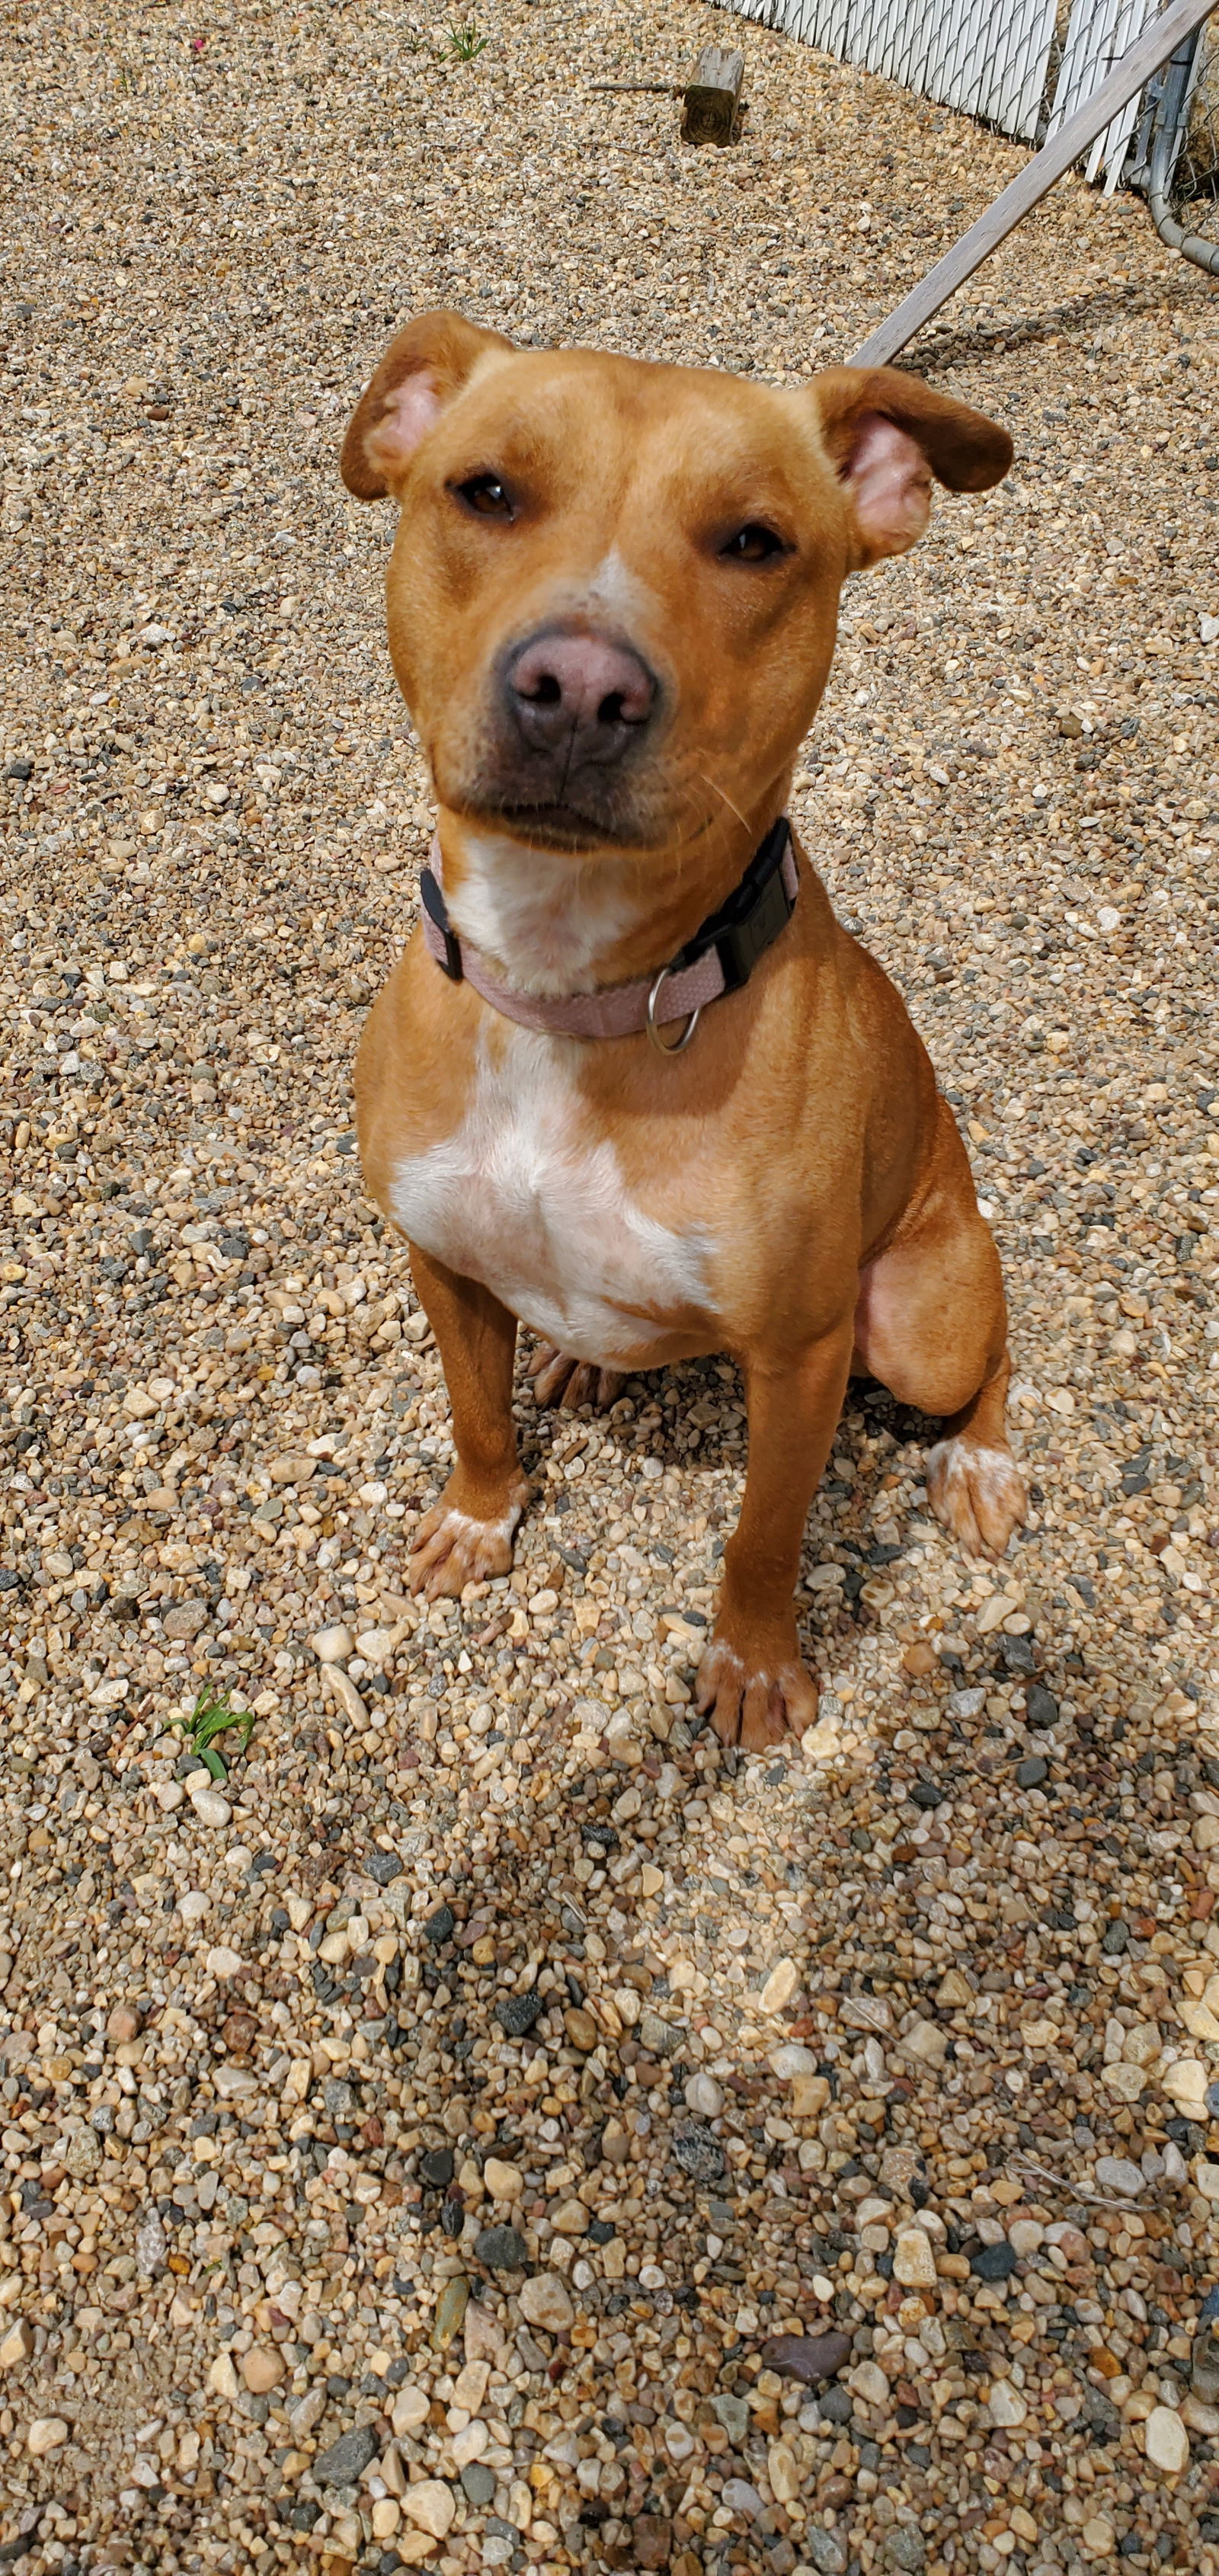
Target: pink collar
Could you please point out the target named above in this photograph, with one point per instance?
(718, 959)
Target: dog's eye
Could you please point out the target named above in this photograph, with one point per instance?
(486, 496)
(753, 544)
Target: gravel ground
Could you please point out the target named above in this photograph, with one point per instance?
(414, 2142)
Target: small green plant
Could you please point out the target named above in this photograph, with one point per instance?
(211, 1716)
(465, 43)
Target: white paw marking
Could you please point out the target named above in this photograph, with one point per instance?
(460, 1523)
(721, 1663)
(962, 1461)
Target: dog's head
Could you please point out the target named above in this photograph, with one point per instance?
(613, 594)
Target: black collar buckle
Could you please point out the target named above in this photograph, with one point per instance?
(740, 944)
(751, 919)
(434, 904)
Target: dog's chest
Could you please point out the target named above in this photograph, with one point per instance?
(525, 1197)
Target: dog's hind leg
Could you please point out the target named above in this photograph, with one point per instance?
(974, 1485)
(467, 1535)
(931, 1323)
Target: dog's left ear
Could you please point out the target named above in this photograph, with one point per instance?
(419, 375)
(887, 435)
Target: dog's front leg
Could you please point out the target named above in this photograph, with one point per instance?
(467, 1535)
(751, 1678)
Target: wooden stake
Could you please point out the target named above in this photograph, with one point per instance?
(712, 99)
(1039, 175)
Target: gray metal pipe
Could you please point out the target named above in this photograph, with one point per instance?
(1171, 119)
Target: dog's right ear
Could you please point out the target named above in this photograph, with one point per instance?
(419, 375)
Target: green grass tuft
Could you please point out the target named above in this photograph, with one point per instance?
(211, 1716)
(465, 43)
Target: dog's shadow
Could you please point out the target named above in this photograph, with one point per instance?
(877, 1442)
(778, 1988)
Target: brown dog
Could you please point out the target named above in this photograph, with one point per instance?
(612, 607)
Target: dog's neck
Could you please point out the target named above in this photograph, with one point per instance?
(553, 922)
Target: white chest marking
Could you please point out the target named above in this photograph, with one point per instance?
(523, 1199)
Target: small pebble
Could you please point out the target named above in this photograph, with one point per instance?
(809, 2358)
(1117, 2173)
(780, 1986)
(790, 2060)
(384, 1867)
(504, 2182)
(825, 2550)
(733, 2413)
(45, 2433)
(1031, 1773)
(967, 1704)
(410, 2409)
(906, 2549)
(307, 2412)
(17, 2346)
(150, 2245)
(451, 2307)
(517, 2014)
(469, 2442)
(994, 2262)
(651, 2541)
(333, 1645)
(346, 2460)
(926, 2041)
(914, 2260)
(1166, 2441)
(1204, 2363)
(544, 2302)
(210, 1808)
(1040, 1707)
(502, 2249)
(431, 2506)
(698, 2152)
(742, 2498)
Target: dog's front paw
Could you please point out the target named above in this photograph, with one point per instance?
(452, 1548)
(979, 1494)
(754, 1699)
(560, 1379)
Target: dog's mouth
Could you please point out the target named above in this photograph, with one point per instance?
(557, 825)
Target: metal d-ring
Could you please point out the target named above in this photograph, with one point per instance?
(680, 1044)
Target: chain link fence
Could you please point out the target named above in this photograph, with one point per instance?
(1024, 66)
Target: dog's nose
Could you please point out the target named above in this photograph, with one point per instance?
(581, 692)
